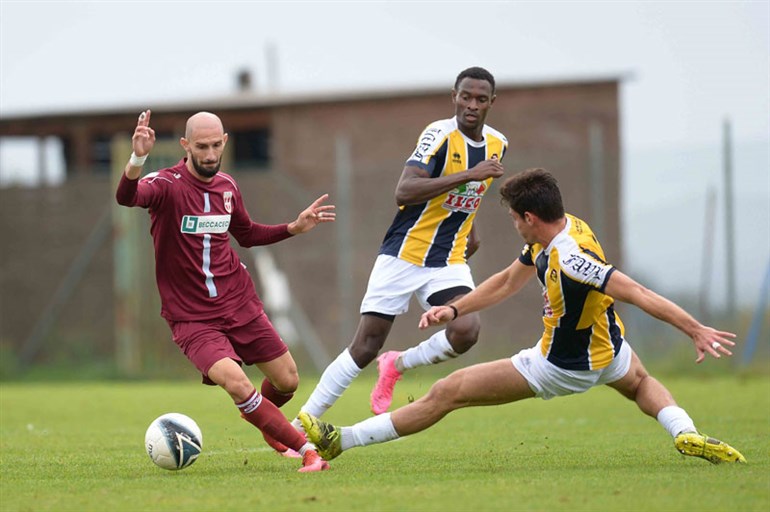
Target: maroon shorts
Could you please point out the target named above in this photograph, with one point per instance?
(246, 336)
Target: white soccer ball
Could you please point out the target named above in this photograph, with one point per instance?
(173, 441)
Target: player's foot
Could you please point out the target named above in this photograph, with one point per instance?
(280, 448)
(382, 394)
(324, 435)
(713, 450)
(311, 461)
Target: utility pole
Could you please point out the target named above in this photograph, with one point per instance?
(343, 200)
(729, 228)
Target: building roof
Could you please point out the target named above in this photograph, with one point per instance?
(251, 99)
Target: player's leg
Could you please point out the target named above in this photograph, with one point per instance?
(492, 383)
(457, 338)
(388, 292)
(441, 286)
(649, 394)
(253, 338)
(281, 379)
(262, 413)
(655, 400)
(256, 341)
(445, 286)
(370, 336)
(278, 386)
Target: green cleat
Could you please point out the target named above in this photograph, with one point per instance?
(324, 435)
(713, 450)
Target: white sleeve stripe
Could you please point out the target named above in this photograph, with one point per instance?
(152, 176)
(232, 181)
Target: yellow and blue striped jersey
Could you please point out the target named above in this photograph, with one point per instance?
(435, 233)
(582, 331)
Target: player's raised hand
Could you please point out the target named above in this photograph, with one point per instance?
(144, 136)
(708, 340)
(312, 216)
(491, 168)
(436, 315)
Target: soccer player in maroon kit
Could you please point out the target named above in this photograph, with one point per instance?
(207, 295)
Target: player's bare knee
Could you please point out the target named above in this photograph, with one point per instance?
(286, 383)
(629, 385)
(238, 389)
(443, 394)
(640, 375)
(463, 333)
(364, 349)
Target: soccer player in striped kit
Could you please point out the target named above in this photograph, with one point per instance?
(425, 250)
(207, 295)
(583, 343)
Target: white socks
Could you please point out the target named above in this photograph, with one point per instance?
(675, 420)
(378, 429)
(335, 380)
(435, 349)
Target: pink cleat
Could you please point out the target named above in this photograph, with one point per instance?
(311, 462)
(382, 394)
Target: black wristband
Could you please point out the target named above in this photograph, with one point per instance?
(455, 311)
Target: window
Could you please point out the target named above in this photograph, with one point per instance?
(251, 150)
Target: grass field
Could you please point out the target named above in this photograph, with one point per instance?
(79, 447)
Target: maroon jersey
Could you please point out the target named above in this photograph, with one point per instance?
(199, 274)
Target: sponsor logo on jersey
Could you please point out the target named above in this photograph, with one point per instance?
(228, 197)
(465, 198)
(426, 143)
(200, 224)
(457, 158)
(583, 267)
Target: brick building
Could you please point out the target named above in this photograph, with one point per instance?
(285, 151)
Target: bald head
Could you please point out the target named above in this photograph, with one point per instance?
(204, 141)
(203, 121)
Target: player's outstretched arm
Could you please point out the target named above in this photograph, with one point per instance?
(142, 143)
(706, 339)
(495, 289)
(312, 216)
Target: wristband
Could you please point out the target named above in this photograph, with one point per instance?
(137, 161)
(455, 311)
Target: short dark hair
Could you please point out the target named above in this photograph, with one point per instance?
(476, 73)
(535, 191)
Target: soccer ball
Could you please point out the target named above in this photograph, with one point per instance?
(173, 441)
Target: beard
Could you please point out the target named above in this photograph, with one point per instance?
(203, 171)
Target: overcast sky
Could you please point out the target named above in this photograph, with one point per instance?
(690, 65)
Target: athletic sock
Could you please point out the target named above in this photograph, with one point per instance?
(264, 415)
(675, 420)
(271, 393)
(335, 380)
(434, 350)
(378, 429)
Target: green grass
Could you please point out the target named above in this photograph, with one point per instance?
(79, 447)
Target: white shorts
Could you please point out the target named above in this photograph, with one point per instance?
(393, 281)
(548, 380)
